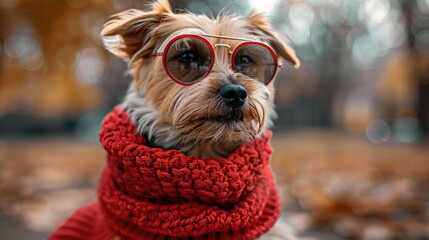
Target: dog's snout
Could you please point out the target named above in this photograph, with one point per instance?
(233, 95)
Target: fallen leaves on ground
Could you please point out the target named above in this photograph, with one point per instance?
(331, 184)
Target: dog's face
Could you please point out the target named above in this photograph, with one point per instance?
(212, 116)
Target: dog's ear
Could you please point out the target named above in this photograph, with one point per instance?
(261, 27)
(130, 31)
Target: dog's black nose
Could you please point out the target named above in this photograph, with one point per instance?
(233, 95)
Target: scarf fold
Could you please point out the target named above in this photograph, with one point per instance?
(152, 193)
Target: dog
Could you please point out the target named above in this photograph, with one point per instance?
(202, 85)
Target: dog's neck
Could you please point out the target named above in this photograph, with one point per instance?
(164, 135)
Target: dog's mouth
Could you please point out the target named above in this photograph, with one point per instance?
(233, 116)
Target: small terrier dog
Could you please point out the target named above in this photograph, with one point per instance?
(200, 85)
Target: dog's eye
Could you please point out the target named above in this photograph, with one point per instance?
(187, 56)
(244, 61)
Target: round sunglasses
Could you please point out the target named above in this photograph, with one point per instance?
(189, 58)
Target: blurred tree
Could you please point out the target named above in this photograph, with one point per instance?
(53, 64)
(404, 89)
(41, 46)
(417, 22)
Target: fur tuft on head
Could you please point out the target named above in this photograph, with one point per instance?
(161, 6)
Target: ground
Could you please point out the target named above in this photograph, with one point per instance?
(333, 186)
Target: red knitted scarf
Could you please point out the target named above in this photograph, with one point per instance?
(152, 193)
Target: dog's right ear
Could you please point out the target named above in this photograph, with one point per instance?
(260, 26)
(131, 31)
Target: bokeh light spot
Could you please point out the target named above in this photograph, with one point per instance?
(378, 131)
(265, 6)
(23, 46)
(375, 11)
(89, 66)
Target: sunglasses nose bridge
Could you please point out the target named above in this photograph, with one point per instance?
(221, 56)
(222, 45)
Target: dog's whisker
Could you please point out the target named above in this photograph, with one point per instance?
(260, 117)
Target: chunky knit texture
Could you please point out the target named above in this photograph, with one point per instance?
(152, 193)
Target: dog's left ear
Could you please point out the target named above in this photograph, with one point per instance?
(260, 26)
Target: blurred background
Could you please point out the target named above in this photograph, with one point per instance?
(351, 141)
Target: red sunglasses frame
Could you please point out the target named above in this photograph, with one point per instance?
(212, 51)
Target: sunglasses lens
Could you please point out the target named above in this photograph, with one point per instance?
(255, 61)
(188, 59)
